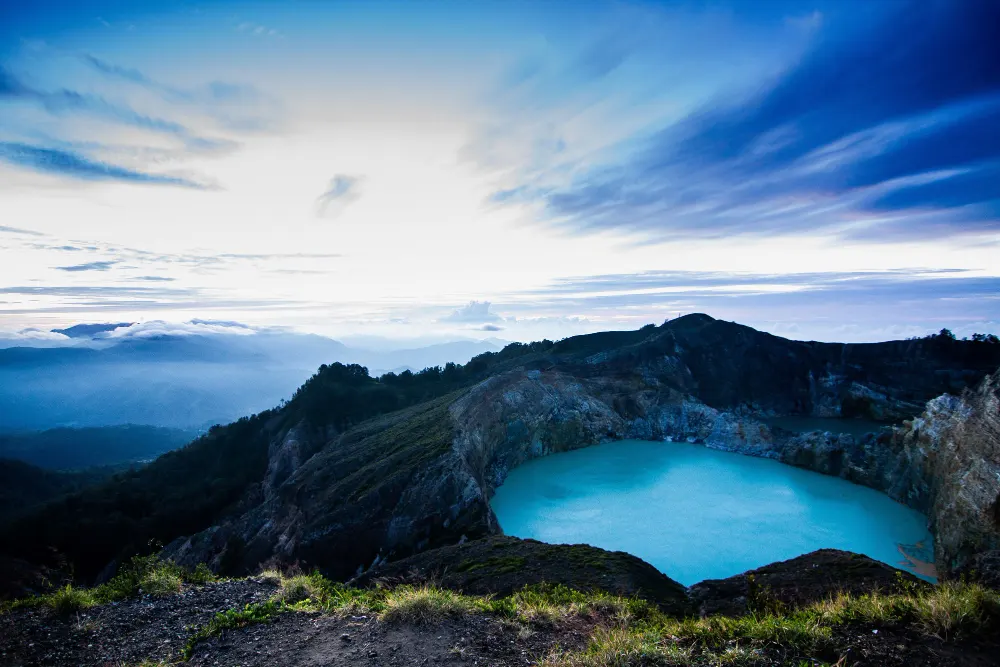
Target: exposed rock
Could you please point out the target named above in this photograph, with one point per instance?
(423, 477)
(502, 565)
(949, 467)
(982, 568)
(797, 582)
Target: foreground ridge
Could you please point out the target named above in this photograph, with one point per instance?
(175, 616)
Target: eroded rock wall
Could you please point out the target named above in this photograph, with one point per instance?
(945, 463)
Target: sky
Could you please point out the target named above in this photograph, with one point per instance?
(824, 170)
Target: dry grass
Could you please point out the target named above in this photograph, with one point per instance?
(424, 604)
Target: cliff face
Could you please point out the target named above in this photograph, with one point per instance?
(423, 477)
(950, 465)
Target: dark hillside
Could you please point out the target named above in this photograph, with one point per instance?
(24, 486)
(355, 467)
(73, 448)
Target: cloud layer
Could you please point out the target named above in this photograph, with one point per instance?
(881, 132)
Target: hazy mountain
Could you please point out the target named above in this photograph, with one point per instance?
(181, 376)
(88, 330)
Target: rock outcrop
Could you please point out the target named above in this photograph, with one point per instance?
(423, 477)
(797, 582)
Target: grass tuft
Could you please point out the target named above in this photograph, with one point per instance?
(424, 604)
(69, 600)
(955, 609)
(161, 581)
(300, 588)
(233, 619)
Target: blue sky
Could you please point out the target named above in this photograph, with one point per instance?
(825, 170)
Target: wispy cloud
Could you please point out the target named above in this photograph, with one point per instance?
(237, 106)
(257, 30)
(64, 100)
(89, 266)
(343, 191)
(66, 163)
(884, 135)
(17, 230)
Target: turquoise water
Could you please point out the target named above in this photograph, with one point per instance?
(697, 513)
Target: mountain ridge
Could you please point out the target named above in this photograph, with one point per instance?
(345, 494)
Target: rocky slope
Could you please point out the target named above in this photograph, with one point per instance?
(423, 477)
(349, 497)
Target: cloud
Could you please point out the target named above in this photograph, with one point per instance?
(64, 100)
(160, 328)
(89, 266)
(816, 300)
(214, 92)
(126, 73)
(155, 278)
(475, 312)
(67, 163)
(33, 338)
(91, 291)
(257, 30)
(881, 134)
(17, 230)
(490, 327)
(343, 191)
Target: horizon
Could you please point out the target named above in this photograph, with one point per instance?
(106, 334)
(443, 171)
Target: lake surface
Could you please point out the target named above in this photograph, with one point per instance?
(697, 513)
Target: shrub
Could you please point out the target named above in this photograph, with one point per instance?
(953, 609)
(68, 600)
(200, 575)
(161, 581)
(299, 588)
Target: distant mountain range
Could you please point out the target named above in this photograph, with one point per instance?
(104, 376)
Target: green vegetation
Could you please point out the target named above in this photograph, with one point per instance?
(425, 604)
(78, 448)
(187, 490)
(68, 600)
(948, 611)
(142, 575)
(234, 619)
(180, 493)
(24, 487)
(626, 631)
(500, 564)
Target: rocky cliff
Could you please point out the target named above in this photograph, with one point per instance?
(423, 477)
